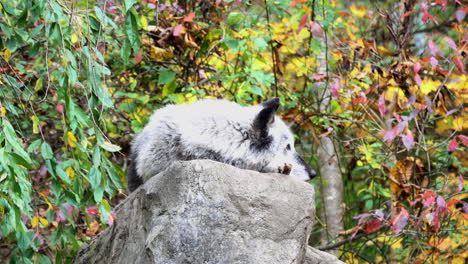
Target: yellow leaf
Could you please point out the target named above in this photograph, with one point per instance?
(48, 203)
(38, 85)
(160, 54)
(459, 123)
(144, 22)
(2, 111)
(7, 54)
(358, 11)
(389, 94)
(70, 172)
(35, 120)
(71, 139)
(34, 221)
(44, 222)
(428, 85)
(74, 38)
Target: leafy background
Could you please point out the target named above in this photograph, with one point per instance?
(79, 78)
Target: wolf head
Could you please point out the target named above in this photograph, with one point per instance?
(273, 139)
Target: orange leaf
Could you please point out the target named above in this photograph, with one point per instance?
(407, 14)
(342, 13)
(458, 62)
(189, 17)
(295, 2)
(138, 57)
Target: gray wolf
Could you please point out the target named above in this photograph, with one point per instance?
(247, 137)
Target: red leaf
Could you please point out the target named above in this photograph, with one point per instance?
(434, 62)
(177, 30)
(59, 108)
(441, 205)
(327, 133)
(382, 109)
(92, 210)
(359, 100)
(426, 15)
(453, 202)
(390, 135)
(110, 218)
(138, 57)
(318, 77)
(342, 13)
(303, 21)
(189, 17)
(451, 43)
(372, 226)
(453, 145)
(407, 14)
(416, 67)
(316, 30)
(460, 15)
(60, 217)
(408, 140)
(457, 61)
(432, 47)
(295, 2)
(334, 88)
(423, 214)
(464, 140)
(429, 198)
(461, 182)
(399, 221)
(39, 236)
(417, 79)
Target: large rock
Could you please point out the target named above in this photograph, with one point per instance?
(208, 212)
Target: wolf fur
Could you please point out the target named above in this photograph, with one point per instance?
(250, 137)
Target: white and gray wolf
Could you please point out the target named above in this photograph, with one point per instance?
(247, 137)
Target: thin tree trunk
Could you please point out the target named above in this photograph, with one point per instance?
(331, 182)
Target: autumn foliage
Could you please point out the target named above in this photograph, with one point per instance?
(79, 78)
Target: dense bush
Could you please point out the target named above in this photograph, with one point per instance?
(79, 78)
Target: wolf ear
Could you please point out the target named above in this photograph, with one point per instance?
(266, 116)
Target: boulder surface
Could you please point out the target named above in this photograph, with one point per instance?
(207, 212)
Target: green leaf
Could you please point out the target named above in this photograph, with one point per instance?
(256, 90)
(131, 29)
(33, 146)
(63, 175)
(94, 177)
(260, 43)
(98, 194)
(125, 51)
(43, 259)
(55, 38)
(128, 4)
(6, 30)
(13, 141)
(96, 157)
(165, 76)
(17, 159)
(110, 147)
(46, 151)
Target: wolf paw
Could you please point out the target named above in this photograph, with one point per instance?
(286, 169)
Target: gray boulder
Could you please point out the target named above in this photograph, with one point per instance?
(208, 212)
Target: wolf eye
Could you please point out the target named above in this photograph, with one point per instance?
(288, 147)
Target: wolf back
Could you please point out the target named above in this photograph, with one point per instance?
(251, 137)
